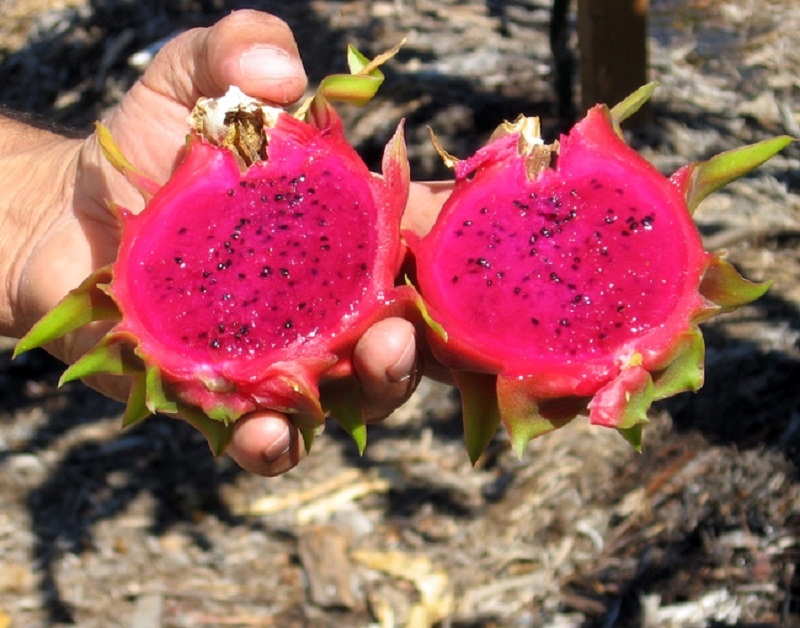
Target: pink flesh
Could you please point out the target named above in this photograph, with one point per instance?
(235, 269)
(561, 269)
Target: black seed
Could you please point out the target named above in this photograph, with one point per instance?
(467, 223)
(283, 227)
(610, 219)
(221, 266)
(178, 261)
(534, 320)
(227, 296)
(242, 276)
(288, 324)
(533, 252)
(454, 279)
(564, 322)
(325, 247)
(532, 239)
(484, 210)
(182, 230)
(301, 305)
(625, 232)
(517, 290)
(221, 328)
(214, 344)
(266, 271)
(243, 184)
(621, 307)
(546, 232)
(484, 262)
(363, 266)
(244, 329)
(555, 277)
(489, 282)
(203, 289)
(284, 272)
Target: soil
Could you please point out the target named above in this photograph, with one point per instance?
(144, 528)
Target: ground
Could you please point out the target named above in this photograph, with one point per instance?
(102, 527)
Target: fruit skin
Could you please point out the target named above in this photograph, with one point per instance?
(525, 312)
(214, 382)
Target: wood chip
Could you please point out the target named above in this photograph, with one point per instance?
(323, 554)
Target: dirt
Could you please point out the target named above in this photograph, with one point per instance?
(144, 528)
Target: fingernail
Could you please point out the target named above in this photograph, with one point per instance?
(403, 369)
(268, 62)
(280, 445)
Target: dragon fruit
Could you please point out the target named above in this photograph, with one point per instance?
(570, 278)
(250, 275)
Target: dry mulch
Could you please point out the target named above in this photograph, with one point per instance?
(144, 528)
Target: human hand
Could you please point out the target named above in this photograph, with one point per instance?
(256, 52)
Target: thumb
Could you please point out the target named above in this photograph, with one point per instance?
(255, 51)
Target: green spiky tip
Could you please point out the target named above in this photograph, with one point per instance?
(85, 304)
(701, 179)
(356, 88)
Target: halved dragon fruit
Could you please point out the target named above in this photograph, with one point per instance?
(570, 278)
(251, 274)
